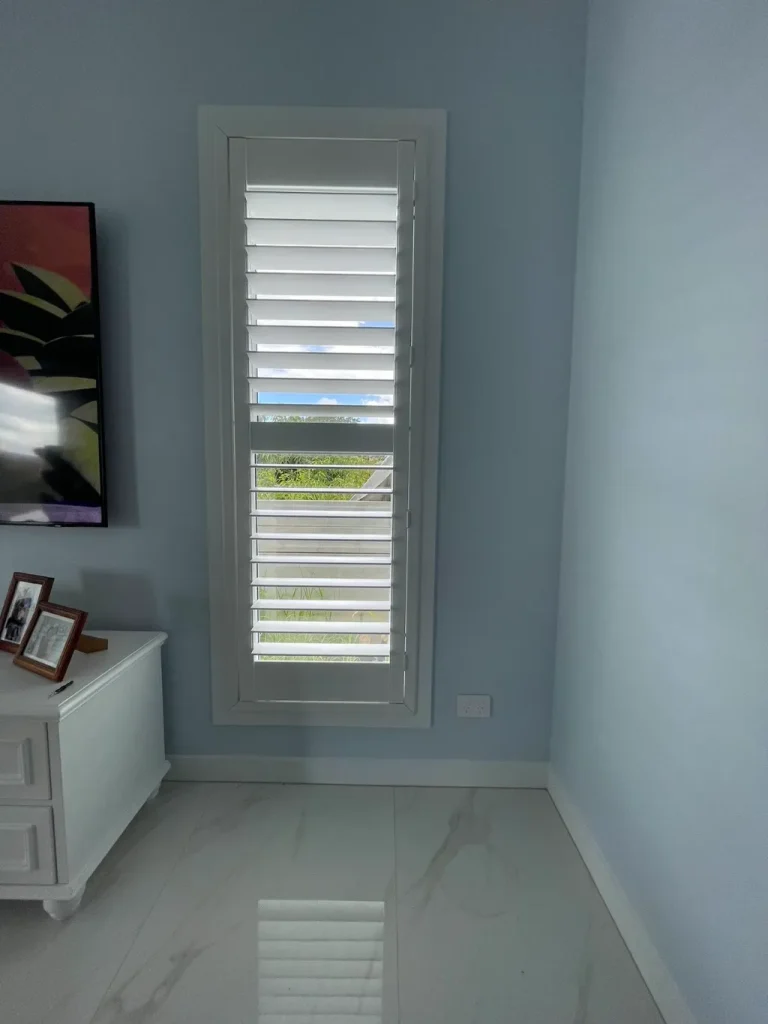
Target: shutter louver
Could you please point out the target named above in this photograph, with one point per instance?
(328, 390)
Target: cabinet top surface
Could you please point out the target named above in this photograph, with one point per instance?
(27, 695)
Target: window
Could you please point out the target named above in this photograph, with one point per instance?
(322, 263)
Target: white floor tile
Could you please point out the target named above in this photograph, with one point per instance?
(257, 904)
(196, 960)
(498, 920)
(56, 973)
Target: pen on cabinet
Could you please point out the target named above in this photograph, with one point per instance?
(60, 688)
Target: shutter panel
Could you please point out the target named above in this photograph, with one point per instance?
(326, 306)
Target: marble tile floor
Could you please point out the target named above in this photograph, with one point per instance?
(269, 904)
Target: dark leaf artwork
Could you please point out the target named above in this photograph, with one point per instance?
(34, 285)
(79, 321)
(73, 356)
(15, 343)
(30, 315)
(49, 346)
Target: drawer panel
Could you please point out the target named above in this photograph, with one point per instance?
(26, 846)
(24, 772)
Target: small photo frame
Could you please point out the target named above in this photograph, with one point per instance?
(50, 641)
(21, 601)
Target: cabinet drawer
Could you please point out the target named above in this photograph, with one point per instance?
(26, 846)
(24, 773)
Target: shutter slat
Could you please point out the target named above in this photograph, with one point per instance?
(269, 489)
(341, 513)
(354, 337)
(329, 650)
(334, 234)
(332, 606)
(323, 410)
(322, 386)
(310, 626)
(302, 311)
(319, 583)
(320, 361)
(319, 437)
(346, 538)
(321, 259)
(323, 206)
(309, 164)
(321, 286)
(320, 560)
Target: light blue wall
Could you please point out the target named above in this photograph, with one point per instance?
(661, 721)
(99, 103)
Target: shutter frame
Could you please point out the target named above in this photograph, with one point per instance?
(222, 129)
(291, 679)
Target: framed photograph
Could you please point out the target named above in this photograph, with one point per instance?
(51, 408)
(50, 641)
(21, 601)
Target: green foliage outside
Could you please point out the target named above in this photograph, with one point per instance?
(311, 474)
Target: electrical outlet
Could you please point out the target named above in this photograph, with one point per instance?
(473, 705)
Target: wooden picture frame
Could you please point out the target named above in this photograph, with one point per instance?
(48, 646)
(18, 626)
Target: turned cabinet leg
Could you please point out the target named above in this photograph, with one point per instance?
(60, 910)
(153, 794)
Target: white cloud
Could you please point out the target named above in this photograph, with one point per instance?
(328, 401)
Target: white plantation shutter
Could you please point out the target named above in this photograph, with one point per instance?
(326, 231)
(321, 254)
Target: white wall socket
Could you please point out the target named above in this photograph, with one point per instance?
(473, 705)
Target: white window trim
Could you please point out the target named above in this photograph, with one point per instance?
(217, 125)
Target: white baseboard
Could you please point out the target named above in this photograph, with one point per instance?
(359, 771)
(660, 982)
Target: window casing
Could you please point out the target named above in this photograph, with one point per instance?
(322, 265)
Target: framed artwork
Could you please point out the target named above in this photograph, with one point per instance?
(50, 641)
(21, 601)
(51, 409)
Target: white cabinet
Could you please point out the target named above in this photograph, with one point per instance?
(76, 767)
(24, 773)
(26, 845)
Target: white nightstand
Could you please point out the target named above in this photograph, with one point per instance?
(76, 768)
